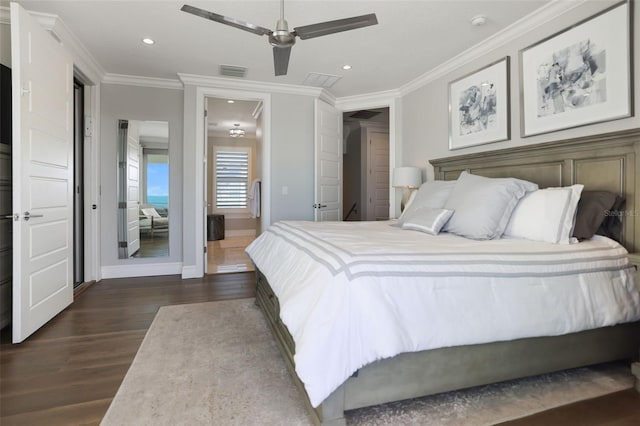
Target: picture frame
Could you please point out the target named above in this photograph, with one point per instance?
(579, 76)
(479, 106)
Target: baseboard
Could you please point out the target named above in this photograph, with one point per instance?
(191, 271)
(82, 288)
(142, 270)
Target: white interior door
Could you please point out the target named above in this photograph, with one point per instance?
(205, 192)
(133, 187)
(42, 88)
(328, 162)
(377, 175)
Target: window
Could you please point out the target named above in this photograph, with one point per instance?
(231, 177)
(156, 176)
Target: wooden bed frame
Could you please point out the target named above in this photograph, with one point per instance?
(605, 162)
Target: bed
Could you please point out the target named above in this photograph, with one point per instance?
(470, 357)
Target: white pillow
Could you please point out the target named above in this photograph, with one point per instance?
(483, 205)
(427, 220)
(546, 215)
(432, 194)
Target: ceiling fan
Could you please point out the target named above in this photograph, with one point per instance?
(282, 39)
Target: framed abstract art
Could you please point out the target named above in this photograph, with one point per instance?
(479, 107)
(579, 76)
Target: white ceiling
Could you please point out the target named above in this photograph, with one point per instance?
(223, 116)
(412, 37)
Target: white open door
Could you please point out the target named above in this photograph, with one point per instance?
(328, 162)
(133, 187)
(205, 203)
(42, 175)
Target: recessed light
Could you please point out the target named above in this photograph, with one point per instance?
(346, 67)
(230, 101)
(148, 41)
(478, 20)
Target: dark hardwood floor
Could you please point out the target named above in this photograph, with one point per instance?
(68, 371)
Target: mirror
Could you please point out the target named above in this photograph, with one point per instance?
(143, 189)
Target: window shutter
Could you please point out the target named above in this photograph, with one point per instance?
(232, 179)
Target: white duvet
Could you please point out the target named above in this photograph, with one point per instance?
(355, 292)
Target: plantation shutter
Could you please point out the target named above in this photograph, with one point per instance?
(232, 179)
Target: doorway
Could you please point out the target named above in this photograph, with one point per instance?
(78, 183)
(233, 182)
(366, 154)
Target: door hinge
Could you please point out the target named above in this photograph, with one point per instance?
(205, 249)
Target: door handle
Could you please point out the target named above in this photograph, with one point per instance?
(11, 216)
(28, 215)
(319, 206)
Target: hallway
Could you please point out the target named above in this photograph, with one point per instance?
(228, 256)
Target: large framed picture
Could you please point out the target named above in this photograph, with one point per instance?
(479, 106)
(579, 76)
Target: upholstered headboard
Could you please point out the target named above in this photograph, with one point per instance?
(609, 162)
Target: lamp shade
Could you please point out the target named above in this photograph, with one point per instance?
(407, 177)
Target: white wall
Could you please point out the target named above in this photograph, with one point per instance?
(5, 45)
(139, 103)
(425, 111)
(292, 160)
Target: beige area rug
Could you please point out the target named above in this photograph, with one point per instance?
(217, 363)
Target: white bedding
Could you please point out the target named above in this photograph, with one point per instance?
(355, 292)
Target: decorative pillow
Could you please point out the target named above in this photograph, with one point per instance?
(593, 208)
(612, 225)
(546, 215)
(427, 220)
(432, 194)
(483, 205)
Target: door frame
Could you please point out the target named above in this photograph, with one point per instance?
(393, 101)
(199, 214)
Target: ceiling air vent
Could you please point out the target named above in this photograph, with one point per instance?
(320, 80)
(233, 71)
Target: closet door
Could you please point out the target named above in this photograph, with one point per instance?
(42, 107)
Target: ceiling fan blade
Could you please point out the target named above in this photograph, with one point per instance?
(330, 27)
(281, 59)
(255, 29)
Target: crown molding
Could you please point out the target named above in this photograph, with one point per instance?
(368, 100)
(257, 86)
(524, 25)
(84, 62)
(134, 80)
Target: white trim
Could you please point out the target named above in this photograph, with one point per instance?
(368, 100)
(196, 215)
(191, 272)
(251, 85)
(92, 253)
(142, 270)
(392, 100)
(487, 46)
(134, 80)
(82, 59)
